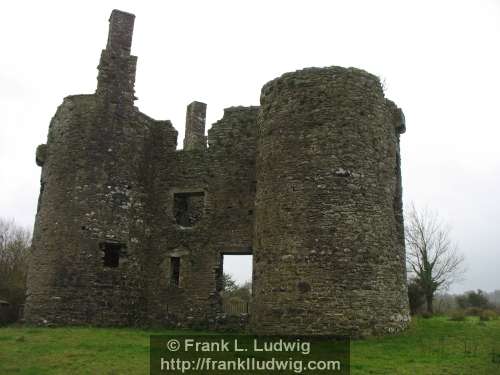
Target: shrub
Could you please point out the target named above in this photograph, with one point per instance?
(473, 311)
(457, 316)
(426, 315)
(487, 315)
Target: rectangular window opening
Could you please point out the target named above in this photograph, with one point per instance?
(175, 271)
(112, 252)
(188, 208)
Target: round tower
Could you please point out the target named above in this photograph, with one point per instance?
(329, 253)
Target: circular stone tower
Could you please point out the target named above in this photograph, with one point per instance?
(329, 253)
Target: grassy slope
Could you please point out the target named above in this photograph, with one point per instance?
(431, 346)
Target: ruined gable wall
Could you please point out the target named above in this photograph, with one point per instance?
(91, 234)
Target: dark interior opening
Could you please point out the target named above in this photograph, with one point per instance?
(112, 252)
(188, 208)
(175, 271)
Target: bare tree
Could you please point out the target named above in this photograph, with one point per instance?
(432, 258)
(15, 243)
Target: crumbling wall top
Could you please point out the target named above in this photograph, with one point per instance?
(311, 76)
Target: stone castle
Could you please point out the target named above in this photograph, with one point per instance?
(131, 231)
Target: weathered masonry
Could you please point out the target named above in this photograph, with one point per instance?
(131, 231)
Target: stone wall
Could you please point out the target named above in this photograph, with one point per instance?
(223, 178)
(95, 185)
(328, 251)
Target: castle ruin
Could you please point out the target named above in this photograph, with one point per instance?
(131, 231)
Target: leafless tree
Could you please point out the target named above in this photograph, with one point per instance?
(15, 243)
(432, 258)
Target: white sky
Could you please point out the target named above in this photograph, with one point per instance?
(440, 61)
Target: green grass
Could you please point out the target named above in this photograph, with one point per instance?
(430, 346)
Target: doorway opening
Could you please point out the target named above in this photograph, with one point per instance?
(235, 284)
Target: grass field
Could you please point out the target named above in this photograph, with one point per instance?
(430, 346)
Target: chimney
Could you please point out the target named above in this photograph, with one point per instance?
(116, 78)
(194, 138)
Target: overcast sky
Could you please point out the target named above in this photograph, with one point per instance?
(439, 59)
